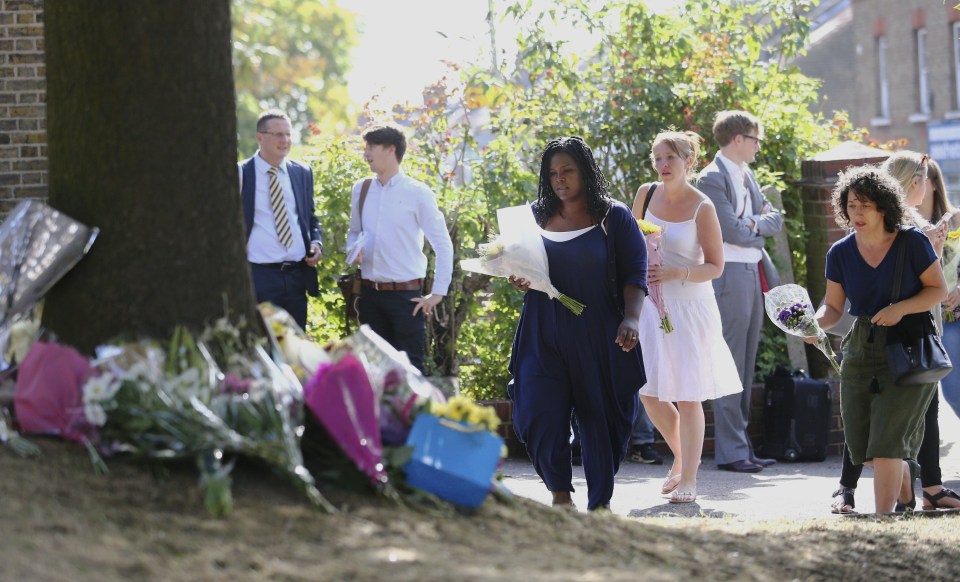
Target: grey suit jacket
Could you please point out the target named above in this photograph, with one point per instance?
(716, 183)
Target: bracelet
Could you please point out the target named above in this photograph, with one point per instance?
(687, 274)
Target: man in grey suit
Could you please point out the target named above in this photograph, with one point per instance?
(746, 219)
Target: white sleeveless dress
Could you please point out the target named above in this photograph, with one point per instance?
(693, 362)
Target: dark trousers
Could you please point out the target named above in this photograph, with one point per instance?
(389, 314)
(285, 289)
(928, 457)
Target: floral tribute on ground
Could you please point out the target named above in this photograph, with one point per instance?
(789, 308)
(653, 235)
(212, 398)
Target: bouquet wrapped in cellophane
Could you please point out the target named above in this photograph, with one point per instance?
(182, 401)
(790, 309)
(518, 251)
(951, 261)
(653, 235)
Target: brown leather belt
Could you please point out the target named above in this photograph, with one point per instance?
(413, 285)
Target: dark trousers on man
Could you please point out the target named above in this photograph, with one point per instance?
(284, 285)
(389, 314)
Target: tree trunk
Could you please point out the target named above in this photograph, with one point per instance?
(143, 144)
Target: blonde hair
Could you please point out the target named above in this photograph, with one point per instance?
(904, 167)
(685, 144)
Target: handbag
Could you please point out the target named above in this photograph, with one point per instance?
(349, 283)
(915, 353)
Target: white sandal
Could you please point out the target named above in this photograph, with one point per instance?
(670, 483)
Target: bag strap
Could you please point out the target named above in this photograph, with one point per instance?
(646, 201)
(363, 198)
(898, 271)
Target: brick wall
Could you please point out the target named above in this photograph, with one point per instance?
(23, 139)
(897, 22)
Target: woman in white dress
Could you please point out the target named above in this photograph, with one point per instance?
(691, 363)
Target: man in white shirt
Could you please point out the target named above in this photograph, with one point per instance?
(283, 232)
(746, 219)
(397, 213)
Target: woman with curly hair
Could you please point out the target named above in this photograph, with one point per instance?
(589, 364)
(927, 204)
(882, 422)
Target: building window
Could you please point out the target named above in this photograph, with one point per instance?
(955, 29)
(922, 86)
(883, 93)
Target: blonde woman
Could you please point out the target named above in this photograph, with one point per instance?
(691, 363)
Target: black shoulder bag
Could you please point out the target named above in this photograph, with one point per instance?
(349, 283)
(915, 352)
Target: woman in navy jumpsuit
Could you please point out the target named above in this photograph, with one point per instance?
(586, 364)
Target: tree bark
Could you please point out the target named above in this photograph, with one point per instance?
(143, 144)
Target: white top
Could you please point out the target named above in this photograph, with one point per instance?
(565, 235)
(744, 207)
(680, 247)
(264, 246)
(396, 218)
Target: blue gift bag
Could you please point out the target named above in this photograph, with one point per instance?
(452, 460)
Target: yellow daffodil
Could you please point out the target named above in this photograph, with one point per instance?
(647, 227)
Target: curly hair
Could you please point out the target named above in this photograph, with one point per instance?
(873, 184)
(595, 184)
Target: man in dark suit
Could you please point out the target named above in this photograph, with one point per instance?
(283, 233)
(746, 219)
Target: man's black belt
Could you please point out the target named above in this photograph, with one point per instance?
(284, 266)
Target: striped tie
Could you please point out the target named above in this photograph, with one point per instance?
(279, 210)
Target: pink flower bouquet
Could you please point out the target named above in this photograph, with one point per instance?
(654, 237)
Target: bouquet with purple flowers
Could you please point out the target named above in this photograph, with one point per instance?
(790, 309)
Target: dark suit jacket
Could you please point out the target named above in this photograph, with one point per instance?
(301, 177)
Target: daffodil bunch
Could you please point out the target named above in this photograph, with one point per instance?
(951, 262)
(647, 227)
(463, 409)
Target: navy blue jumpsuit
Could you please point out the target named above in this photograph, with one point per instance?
(564, 363)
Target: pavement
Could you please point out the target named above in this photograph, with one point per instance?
(783, 491)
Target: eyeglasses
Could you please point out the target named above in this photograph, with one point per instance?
(753, 137)
(923, 161)
(277, 134)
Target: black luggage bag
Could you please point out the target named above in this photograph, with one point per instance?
(796, 416)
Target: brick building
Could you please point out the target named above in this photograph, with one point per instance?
(894, 66)
(23, 139)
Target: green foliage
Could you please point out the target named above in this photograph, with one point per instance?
(647, 72)
(653, 71)
(292, 55)
(337, 164)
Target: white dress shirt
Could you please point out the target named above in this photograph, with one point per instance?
(264, 246)
(396, 218)
(744, 207)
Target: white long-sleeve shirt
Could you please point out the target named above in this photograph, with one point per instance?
(396, 218)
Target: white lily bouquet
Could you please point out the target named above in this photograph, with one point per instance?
(518, 251)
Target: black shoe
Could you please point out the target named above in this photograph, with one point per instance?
(762, 462)
(742, 466)
(646, 453)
